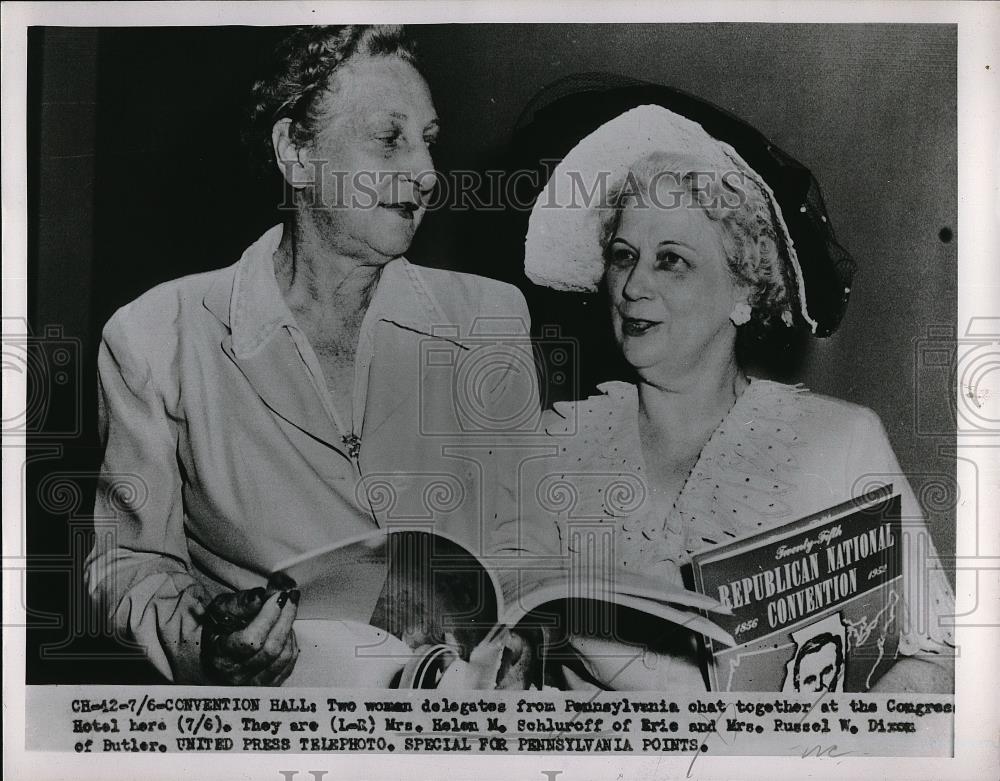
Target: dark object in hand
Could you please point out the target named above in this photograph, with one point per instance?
(247, 636)
(234, 611)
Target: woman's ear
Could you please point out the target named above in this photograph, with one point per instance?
(287, 154)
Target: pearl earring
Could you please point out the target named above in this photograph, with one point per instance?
(740, 314)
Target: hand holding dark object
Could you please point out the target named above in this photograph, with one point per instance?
(247, 637)
(521, 663)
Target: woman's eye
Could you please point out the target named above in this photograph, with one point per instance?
(389, 138)
(621, 256)
(673, 261)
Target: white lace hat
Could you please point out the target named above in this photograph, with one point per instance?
(562, 245)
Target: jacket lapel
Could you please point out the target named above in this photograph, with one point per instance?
(276, 374)
(405, 314)
(394, 377)
(395, 372)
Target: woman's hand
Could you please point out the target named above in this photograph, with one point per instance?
(521, 663)
(247, 637)
(624, 666)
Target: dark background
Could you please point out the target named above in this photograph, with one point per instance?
(137, 175)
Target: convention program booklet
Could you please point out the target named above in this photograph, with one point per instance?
(815, 604)
(419, 586)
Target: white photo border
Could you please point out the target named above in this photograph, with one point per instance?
(977, 589)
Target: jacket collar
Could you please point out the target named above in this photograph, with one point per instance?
(248, 301)
(252, 306)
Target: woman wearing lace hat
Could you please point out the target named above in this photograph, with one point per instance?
(696, 251)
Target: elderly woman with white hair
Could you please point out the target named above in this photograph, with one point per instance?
(692, 249)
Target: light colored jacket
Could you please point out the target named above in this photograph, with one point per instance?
(224, 454)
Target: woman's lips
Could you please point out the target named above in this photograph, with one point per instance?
(637, 326)
(404, 210)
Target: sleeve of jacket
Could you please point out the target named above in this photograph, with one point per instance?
(929, 599)
(139, 570)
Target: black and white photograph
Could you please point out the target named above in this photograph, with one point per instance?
(631, 381)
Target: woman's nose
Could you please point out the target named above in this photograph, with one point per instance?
(426, 181)
(421, 166)
(637, 285)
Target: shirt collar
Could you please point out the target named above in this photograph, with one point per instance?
(257, 309)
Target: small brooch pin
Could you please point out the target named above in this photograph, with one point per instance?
(353, 442)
